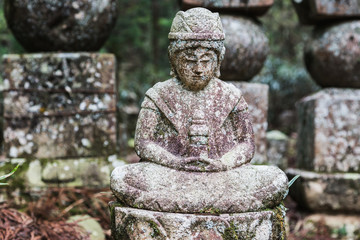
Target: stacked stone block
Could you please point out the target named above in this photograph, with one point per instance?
(59, 109)
(328, 150)
(246, 50)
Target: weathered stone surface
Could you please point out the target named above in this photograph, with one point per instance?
(195, 138)
(257, 97)
(59, 105)
(251, 7)
(319, 11)
(80, 172)
(47, 25)
(76, 135)
(154, 187)
(329, 130)
(332, 55)
(277, 148)
(246, 48)
(326, 192)
(60, 72)
(136, 224)
(39, 103)
(340, 226)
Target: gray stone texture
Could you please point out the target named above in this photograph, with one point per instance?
(59, 105)
(319, 11)
(332, 55)
(136, 224)
(331, 192)
(277, 148)
(246, 48)
(251, 7)
(154, 187)
(47, 25)
(257, 98)
(329, 130)
(72, 72)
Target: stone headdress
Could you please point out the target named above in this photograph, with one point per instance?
(194, 28)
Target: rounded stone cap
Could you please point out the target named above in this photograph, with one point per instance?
(332, 55)
(197, 24)
(68, 26)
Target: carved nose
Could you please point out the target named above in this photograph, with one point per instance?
(198, 69)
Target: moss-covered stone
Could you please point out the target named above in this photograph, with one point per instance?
(82, 172)
(131, 223)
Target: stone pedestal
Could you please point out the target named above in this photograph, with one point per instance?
(257, 97)
(60, 119)
(133, 224)
(329, 130)
(328, 152)
(332, 192)
(59, 105)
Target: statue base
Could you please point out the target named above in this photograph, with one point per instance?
(132, 223)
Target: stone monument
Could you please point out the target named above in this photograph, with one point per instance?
(195, 140)
(328, 150)
(60, 108)
(247, 48)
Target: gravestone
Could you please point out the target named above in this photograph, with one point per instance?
(328, 152)
(195, 141)
(59, 109)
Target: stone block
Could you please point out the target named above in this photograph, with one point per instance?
(317, 11)
(62, 72)
(277, 148)
(257, 97)
(59, 105)
(136, 224)
(32, 104)
(252, 7)
(336, 192)
(80, 172)
(329, 130)
(48, 137)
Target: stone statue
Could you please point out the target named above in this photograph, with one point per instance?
(194, 136)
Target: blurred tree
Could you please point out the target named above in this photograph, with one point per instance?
(139, 42)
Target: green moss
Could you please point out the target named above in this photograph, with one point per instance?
(155, 230)
(279, 222)
(230, 233)
(211, 210)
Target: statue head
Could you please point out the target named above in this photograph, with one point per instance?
(196, 47)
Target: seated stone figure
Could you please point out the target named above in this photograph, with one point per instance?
(194, 136)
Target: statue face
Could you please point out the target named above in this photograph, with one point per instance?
(196, 67)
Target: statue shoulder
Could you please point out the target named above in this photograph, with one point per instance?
(229, 88)
(234, 94)
(159, 88)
